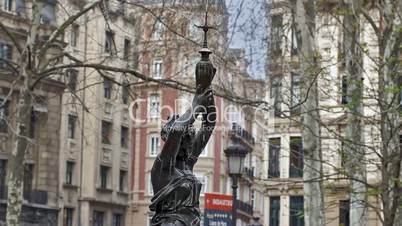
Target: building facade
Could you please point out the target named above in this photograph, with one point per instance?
(283, 176)
(95, 170)
(78, 168)
(40, 191)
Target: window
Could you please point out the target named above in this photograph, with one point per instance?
(49, 12)
(72, 120)
(8, 5)
(104, 174)
(296, 158)
(75, 29)
(150, 188)
(153, 144)
(68, 216)
(127, 49)
(294, 44)
(3, 175)
(124, 93)
(274, 210)
(154, 106)
(253, 199)
(20, 6)
(343, 156)
(276, 94)
(204, 152)
(295, 98)
(117, 219)
(157, 68)
(69, 172)
(344, 210)
(344, 93)
(122, 180)
(193, 31)
(28, 180)
(203, 180)
(107, 88)
(124, 137)
(106, 132)
(149, 221)
(109, 42)
(72, 80)
(296, 211)
(159, 31)
(98, 218)
(3, 116)
(276, 35)
(274, 153)
(32, 123)
(6, 54)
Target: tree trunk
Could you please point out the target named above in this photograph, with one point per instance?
(16, 158)
(389, 79)
(23, 120)
(309, 68)
(354, 147)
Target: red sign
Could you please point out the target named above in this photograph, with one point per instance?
(218, 202)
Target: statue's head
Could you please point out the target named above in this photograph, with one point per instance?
(186, 140)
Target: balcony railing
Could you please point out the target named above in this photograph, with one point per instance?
(249, 173)
(244, 207)
(242, 133)
(33, 196)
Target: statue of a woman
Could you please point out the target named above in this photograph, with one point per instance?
(177, 190)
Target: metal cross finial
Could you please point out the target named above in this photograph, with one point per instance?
(205, 51)
(205, 28)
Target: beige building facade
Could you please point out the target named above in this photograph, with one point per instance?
(41, 180)
(284, 156)
(79, 164)
(95, 166)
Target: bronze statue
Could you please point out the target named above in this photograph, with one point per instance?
(177, 190)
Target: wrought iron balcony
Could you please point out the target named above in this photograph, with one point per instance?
(243, 134)
(33, 196)
(244, 207)
(249, 173)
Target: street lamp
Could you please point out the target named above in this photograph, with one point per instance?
(235, 155)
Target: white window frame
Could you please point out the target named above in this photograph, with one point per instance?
(159, 31)
(154, 137)
(154, 106)
(150, 189)
(203, 178)
(8, 5)
(205, 151)
(157, 68)
(74, 36)
(70, 133)
(228, 186)
(149, 218)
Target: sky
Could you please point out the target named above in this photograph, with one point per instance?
(248, 30)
